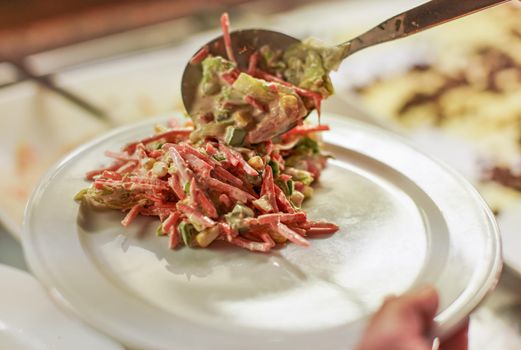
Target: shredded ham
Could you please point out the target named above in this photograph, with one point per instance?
(225, 25)
(200, 185)
(131, 215)
(200, 55)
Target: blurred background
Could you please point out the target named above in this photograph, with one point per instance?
(72, 70)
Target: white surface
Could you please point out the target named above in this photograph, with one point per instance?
(398, 213)
(30, 321)
(36, 129)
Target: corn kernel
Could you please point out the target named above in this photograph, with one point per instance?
(241, 118)
(308, 191)
(256, 163)
(148, 163)
(297, 198)
(159, 169)
(277, 237)
(289, 101)
(206, 237)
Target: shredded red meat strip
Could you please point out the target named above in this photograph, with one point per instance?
(201, 185)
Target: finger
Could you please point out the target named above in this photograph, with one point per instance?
(417, 309)
(402, 321)
(459, 341)
(390, 298)
(415, 344)
(425, 303)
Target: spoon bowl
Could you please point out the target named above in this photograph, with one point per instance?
(244, 44)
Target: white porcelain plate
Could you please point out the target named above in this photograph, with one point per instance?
(405, 221)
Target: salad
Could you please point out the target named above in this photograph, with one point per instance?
(273, 94)
(234, 173)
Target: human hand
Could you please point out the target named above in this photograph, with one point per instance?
(404, 323)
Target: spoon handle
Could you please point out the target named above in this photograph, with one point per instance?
(418, 19)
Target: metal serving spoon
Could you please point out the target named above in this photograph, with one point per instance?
(246, 42)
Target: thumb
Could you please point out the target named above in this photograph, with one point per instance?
(425, 304)
(458, 341)
(402, 322)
